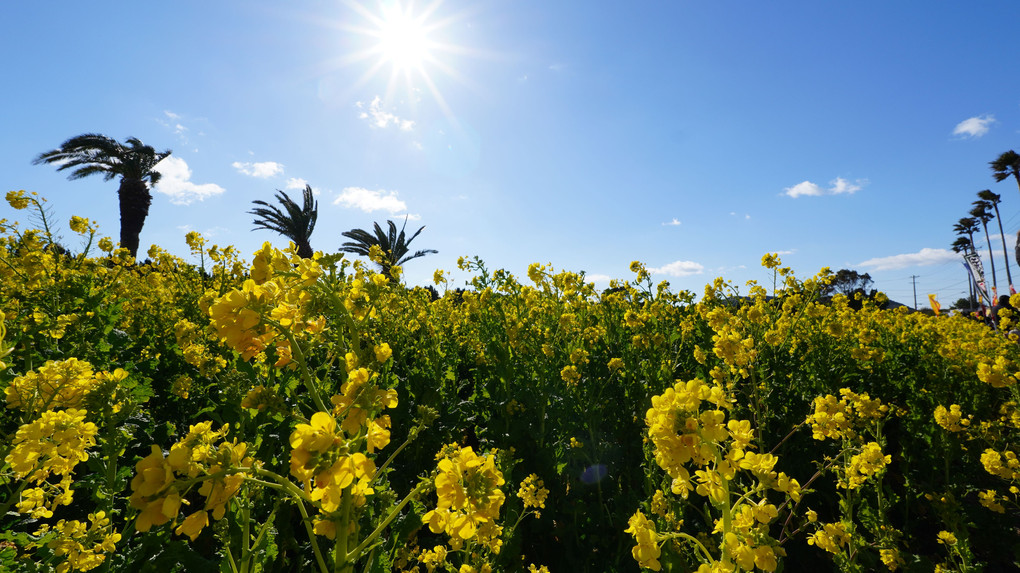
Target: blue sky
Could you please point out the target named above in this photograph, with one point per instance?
(693, 136)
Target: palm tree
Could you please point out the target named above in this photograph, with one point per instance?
(134, 163)
(964, 245)
(980, 212)
(966, 226)
(994, 199)
(394, 246)
(297, 223)
(1006, 165)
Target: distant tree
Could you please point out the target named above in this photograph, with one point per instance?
(134, 163)
(982, 214)
(848, 282)
(395, 247)
(963, 303)
(294, 222)
(1005, 166)
(993, 200)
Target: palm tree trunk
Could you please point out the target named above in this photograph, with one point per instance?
(991, 259)
(134, 208)
(1005, 253)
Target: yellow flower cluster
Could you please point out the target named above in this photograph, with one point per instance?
(51, 445)
(361, 401)
(161, 484)
(868, 463)
(681, 433)
(322, 461)
(267, 306)
(646, 551)
(842, 418)
(1005, 464)
(55, 384)
(83, 545)
(1001, 373)
(832, 537)
(533, 493)
(951, 419)
(469, 495)
(687, 425)
(17, 199)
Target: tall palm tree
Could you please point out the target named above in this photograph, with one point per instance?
(134, 162)
(1005, 165)
(395, 246)
(981, 213)
(297, 223)
(964, 245)
(994, 199)
(967, 226)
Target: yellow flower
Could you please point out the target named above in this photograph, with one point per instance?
(17, 199)
(946, 538)
(382, 352)
(468, 493)
(647, 551)
(533, 492)
(80, 225)
(192, 525)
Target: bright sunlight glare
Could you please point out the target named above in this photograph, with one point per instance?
(403, 40)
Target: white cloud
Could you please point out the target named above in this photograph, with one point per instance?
(679, 269)
(674, 223)
(171, 115)
(597, 278)
(296, 183)
(840, 186)
(369, 200)
(922, 258)
(803, 188)
(262, 170)
(377, 117)
(176, 183)
(837, 186)
(974, 126)
(410, 216)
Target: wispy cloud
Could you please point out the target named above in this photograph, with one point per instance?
(922, 258)
(262, 169)
(176, 183)
(679, 269)
(296, 183)
(837, 186)
(369, 200)
(974, 126)
(173, 122)
(674, 223)
(378, 117)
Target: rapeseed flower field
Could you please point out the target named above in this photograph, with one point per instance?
(309, 414)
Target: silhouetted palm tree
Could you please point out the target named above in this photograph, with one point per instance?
(134, 163)
(395, 247)
(964, 245)
(980, 212)
(297, 223)
(1006, 165)
(994, 199)
(967, 226)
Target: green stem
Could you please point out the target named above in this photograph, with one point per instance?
(354, 555)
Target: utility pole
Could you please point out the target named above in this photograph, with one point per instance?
(913, 279)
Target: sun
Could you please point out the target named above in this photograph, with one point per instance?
(403, 40)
